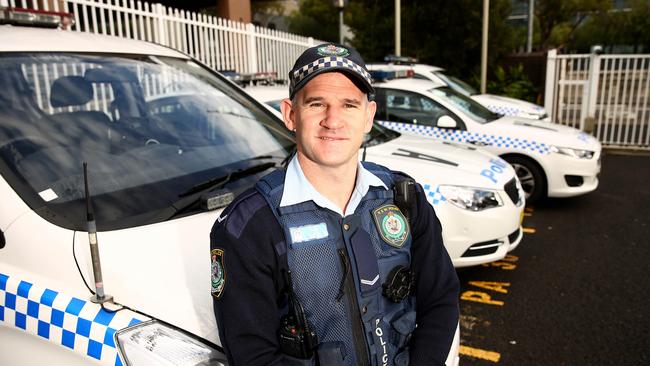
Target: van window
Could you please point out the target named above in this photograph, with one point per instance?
(149, 128)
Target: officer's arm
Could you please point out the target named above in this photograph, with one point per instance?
(437, 288)
(246, 308)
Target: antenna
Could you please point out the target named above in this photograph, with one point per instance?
(99, 296)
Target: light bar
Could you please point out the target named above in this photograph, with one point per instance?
(384, 74)
(35, 18)
(400, 59)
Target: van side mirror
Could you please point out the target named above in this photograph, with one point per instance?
(446, 122)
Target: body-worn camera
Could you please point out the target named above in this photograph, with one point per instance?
(399, 284)
(297, 337)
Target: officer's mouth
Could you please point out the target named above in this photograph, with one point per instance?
(329, 138)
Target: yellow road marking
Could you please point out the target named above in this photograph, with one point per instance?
(528, 214)
(479, 353)
(478, 296)
(528, 230)
(494, 286)
(529, 209)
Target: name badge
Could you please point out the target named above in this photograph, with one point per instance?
(301, 234)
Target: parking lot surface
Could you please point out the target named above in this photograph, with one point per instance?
(576, 290)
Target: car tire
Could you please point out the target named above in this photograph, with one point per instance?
(531, 177)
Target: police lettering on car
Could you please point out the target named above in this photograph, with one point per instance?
(331, 261)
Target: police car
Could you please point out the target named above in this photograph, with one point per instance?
(550, 159)
(109, 194)
(496, 103)
(156, 176)
(476, 195)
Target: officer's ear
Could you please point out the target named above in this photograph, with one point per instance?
(288, 114)
(371, 109)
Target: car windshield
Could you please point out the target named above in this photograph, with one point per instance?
(150, 128)
(466, 104)
(456, 84)
(378, 135)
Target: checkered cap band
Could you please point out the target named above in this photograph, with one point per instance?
(74, 324)
(326, 63)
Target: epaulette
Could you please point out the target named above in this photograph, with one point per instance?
(240, 211)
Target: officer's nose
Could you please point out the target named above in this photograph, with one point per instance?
(333, 119)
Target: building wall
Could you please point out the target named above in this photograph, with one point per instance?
(238, 10)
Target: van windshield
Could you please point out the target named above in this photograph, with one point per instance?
(467, 105)
(150, 129)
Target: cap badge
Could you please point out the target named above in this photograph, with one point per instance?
(332, 50)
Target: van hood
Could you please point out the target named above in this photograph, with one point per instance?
(544, 133)
(433, 162)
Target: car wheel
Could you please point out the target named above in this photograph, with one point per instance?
(531, 177)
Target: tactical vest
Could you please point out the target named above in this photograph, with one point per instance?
(338, 268)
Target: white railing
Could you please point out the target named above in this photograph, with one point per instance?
(608, 95)
(219, 43)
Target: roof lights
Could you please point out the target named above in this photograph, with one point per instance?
(35, 18)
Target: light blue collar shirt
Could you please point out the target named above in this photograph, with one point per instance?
(297, 189)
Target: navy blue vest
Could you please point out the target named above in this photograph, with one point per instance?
(338, 267)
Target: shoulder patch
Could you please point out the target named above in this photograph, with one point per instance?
(237, 215)
(391, 225)
(218, 273)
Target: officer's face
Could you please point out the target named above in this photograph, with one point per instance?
(330, 116)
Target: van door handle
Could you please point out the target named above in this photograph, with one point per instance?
(477, 143)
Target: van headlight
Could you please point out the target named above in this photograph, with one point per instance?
(473, 199)
(155, 343)
(576, 153)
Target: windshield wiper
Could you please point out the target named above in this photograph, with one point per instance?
(196, 194)
(218, 182)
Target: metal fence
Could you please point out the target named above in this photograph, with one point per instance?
(219, 43)
(608, 95)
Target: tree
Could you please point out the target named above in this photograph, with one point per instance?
(558, 19)
(316, 18)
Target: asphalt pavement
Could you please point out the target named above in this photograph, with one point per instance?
(575, 292)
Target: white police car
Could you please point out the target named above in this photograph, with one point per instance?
(550, 159)
(157, 176)
(496, 103)
(476, 195)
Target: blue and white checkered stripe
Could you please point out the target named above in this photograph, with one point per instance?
(465, 136)
(433, 196)
(506, 111)
(79, 325)
(327, 62)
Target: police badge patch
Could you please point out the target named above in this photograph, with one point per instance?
(332, 50)
(392, 225)
(218, 273)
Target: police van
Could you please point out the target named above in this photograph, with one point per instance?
(500, 104)
(476, 195)
(108, 197)
(549, 159)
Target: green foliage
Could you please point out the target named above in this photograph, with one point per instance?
(622, 28)
(316, 18)
(513, 83)
(557, 20)
(444, 33)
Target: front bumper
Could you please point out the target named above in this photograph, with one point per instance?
(473, 238)
(569, 176)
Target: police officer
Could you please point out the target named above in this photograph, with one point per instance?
(332, 261)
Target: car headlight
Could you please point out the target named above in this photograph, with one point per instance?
(155, 343)
(473, 199)
(576, 153)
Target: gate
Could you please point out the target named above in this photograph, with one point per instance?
(607, 95)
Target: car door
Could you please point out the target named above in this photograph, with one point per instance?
(411, 112)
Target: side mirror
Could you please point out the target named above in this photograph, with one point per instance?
(446, 122)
